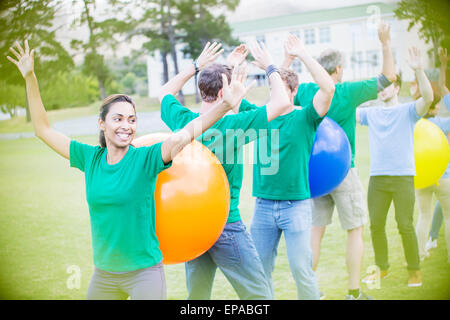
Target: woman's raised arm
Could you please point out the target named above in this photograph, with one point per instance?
(25, 63)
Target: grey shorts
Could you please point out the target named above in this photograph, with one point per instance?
(142, 284)
(350, 201)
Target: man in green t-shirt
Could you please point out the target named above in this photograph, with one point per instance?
(349, 196)
(234, 252)
(283, 203)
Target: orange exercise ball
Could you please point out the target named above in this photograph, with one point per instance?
(192, 200)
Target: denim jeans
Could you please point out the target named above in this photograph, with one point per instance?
(270, 219)
(236, 256)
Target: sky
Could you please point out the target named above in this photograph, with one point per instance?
(257, 9)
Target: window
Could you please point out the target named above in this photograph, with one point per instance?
(373, 58)
(324, 35)
(356, 30)
(372, 62)
(310, 36)
(356, 60)
(372, 31)
(297, 66)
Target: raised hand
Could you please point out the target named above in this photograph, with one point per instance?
(209, 54)
(415, 59)
(238, 55)
(263, 59)
(443, 56)
(25, 58)
(235, 91)
(294, 47)
(384, 32)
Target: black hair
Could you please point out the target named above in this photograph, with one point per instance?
(104, 109)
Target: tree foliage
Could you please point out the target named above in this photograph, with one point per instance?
(197, 25)
(33, 20)
(432, 19)
(103, 34)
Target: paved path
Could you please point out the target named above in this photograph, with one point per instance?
(147, 122)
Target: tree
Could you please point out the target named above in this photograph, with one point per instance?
(198, 25)
(157, 24)
(431, 17)
(102, 35)
(33, 20)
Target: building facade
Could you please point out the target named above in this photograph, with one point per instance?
(352, 30)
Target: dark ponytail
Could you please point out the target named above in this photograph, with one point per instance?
(104, 109)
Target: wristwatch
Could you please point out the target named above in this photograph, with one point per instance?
(271, 69)
(197, 70)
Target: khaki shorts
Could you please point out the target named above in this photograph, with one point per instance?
(350, 200)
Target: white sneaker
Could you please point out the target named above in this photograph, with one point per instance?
(431, 244)
(427, 254)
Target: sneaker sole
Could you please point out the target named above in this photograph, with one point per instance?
(414, 285)
(374, 281)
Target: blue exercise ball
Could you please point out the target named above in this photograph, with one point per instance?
(330, 159)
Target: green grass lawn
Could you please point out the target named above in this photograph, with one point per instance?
(45, 229)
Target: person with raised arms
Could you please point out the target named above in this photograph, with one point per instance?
(120, 181)
(234, 252)
(349, 197)
(283, 203)
(392, 169)
(442, 188)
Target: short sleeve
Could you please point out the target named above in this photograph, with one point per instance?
(413, 112)
(247, 106)
(312, 116)
(252, 119)
(442, 123)
(153, 163)
(447, 101)
(305, 94)
(174, 114)
(359, 92)
(247, 123)
(81, 154)
(363, 116)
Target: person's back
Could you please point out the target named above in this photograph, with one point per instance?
(347, 97)
(225, 139)
(234, 252)
(349, 197)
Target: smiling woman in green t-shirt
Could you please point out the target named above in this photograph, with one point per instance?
(121, 179)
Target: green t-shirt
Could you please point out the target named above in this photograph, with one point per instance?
(347, 97)
(121, 205)
(281, 155)
(225, 139)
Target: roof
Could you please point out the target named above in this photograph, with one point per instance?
(310, 17)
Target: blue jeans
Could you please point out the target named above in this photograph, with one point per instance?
(271, 218)
(235, 254)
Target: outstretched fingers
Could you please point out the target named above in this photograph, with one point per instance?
(243, 73)
(12, 60)
(15, 53)
(27, 48)
(19, 47)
